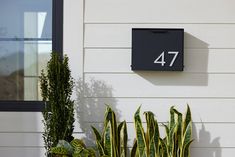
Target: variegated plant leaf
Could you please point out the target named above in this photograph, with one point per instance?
(99, 142)
(122, 136)
(108, 139)
(134, 149)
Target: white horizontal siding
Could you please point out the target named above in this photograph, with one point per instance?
(203, 110)
(119, 60)
(21, 122)
(22, 152)
(212, 152)
(165, 84)
(26, 139)
(157, 11)
(196, 35)
(21, 139)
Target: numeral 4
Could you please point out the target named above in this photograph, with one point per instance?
(160, 59)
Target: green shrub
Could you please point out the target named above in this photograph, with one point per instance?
(56, 90)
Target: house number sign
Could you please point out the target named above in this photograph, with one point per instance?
(157, 49)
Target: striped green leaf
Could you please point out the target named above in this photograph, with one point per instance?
(99, 142)
(141, 144)
(163, 151)
(156, 138)
(188, 118)
(149, 116)
(185, 151)
(122, 136)
(186, 138)
(134, 150)
(172, 118)
(152, 149)
(108, 139)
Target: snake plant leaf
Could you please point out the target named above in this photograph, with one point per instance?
(141, 144)
(97, 134)
(108, 139)
(163, 149)
(100, 148)
(110, 117)
(172, 118)
(188, 118)
(140, 135)
(149, 116)
(137, 115)
(166, 129)
(156, 137)
(122, 136)
(179, 130)
(99, 142)
(185, 151)
(171, 140)
(187, 135)
(152, 149)
(119, 130)
(134, 149)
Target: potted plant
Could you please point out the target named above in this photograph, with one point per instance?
(56, 90)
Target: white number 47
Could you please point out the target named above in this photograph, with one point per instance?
(161, 58)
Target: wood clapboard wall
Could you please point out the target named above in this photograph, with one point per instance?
(207, 83)
(97, 38)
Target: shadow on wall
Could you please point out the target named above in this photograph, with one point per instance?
(195, 60)
(209, 147)
(90, 109)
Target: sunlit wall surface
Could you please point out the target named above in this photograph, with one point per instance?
(25, 46)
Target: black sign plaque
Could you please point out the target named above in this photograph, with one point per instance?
(157, 49)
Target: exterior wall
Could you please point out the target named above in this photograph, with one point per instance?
(207, 83)
(97, 38)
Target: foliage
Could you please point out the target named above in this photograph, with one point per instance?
(113, 141)
(146, 143)
(175, 144)
(76, 148)
(56, 89)
(179, 134)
